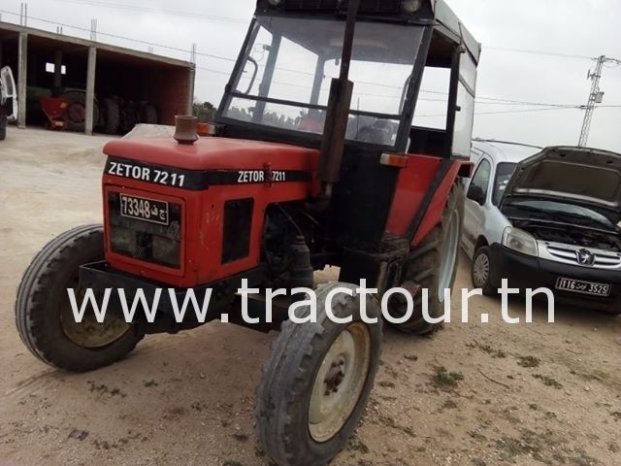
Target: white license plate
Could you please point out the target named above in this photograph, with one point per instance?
(583, 287)
(148, 210)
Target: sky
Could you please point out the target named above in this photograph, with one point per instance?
(533, 51)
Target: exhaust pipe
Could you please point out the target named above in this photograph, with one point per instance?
(337, 116)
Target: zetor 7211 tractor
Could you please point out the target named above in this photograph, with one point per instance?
(314, 162)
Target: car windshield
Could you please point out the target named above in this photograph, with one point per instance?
(567, 212)
(284, 80)
(504, 172)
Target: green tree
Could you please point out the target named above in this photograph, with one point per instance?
(205, 112)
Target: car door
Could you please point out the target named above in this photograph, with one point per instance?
(477, 196)
(8, 93)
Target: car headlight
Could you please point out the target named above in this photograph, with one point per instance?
(520, 241)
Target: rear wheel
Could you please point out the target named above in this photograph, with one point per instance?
(148, 114)
(3, 123)
(317, 381)
(433, 266)
(43, 314)
(111, 116)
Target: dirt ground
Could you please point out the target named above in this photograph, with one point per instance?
(473, 394)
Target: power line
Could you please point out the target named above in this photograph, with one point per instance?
(481, 100)
(125, 6)
(532, 110)
(130, 39)
(541, 110)
(537, 52)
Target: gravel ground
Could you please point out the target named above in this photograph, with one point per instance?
(473, 394)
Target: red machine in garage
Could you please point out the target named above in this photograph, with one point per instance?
(315, 162)
(55, 110)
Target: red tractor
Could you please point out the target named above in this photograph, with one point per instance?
(314, 162)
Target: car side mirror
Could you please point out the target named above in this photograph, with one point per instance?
(476, 194)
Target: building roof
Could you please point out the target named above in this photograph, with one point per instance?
(41, 34)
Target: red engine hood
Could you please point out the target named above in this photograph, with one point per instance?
(214, 154)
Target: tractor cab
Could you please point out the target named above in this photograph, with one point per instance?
(280, 87)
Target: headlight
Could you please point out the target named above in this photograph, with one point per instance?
(520, 241)
(274, 2)
(411, 6)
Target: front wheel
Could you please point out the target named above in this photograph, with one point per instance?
(482, 272)
(45, 321)
(317, 381)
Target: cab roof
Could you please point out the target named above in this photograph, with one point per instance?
(444, 19)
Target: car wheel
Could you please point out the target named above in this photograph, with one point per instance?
(482, 272)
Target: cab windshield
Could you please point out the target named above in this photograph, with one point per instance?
(286, 71)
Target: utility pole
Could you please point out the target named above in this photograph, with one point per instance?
(94, 30)
(595, 97)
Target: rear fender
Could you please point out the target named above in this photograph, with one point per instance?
(422, 192)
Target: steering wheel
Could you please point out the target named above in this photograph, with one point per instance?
(379, 132)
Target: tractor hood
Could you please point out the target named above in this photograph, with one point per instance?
(576, 176)
(213, 153)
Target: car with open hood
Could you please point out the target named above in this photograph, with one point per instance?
(546, 218)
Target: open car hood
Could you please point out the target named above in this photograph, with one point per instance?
(573, 175)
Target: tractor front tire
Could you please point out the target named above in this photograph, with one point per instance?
(43, 314)
(317, 381)
(433, 266)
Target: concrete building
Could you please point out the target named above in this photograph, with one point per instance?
(46, 62)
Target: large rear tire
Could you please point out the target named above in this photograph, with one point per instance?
(148, 114)
(43, 314)
(317, 381)
(111, 116)
(433, 266)
(3, 124)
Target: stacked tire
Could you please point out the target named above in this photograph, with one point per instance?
(3, 123)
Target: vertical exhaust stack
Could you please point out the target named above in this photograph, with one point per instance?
(333, 143)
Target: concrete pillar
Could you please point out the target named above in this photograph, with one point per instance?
(58, 68)
(191, 78)
(22, 79)
(90, 90)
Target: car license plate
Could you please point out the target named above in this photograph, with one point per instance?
(583, 287)
(148, 210)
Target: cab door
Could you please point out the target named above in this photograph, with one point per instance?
(477, 197)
